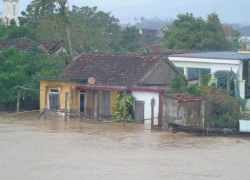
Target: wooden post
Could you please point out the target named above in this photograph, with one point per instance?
(18, 99)
(45, 104)
(45, 99)
(66, 105)
(228, 83)
(152, 113)
(124, 108)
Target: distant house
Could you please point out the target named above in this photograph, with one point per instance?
(244, 42)
(160, 33)
(10, 11)
(149, 36)
(235, 65)
(24, 45)
(229, 31)
(93, 81)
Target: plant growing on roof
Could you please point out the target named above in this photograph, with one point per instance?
(119, 103)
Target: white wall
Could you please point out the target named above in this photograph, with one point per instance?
(225, 67)
(146, 97)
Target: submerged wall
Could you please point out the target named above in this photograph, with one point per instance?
(182, 112)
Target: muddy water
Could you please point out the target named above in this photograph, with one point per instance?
(55, 149)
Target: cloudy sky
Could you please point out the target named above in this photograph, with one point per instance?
(230, 11)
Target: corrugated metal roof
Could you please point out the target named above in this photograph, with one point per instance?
(216, 55)
(244, 126)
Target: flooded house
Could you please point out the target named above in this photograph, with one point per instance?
(91, 83)
(229, 70)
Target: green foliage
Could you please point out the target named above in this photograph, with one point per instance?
(3, 31)
(194, 90)
(177, 83)
(90, 29)
(206, 79)
(94, 29)
(131, 39)
(213, 85)
(21, 69)
(224, 121)
(119, 107)
(189, 32)
(225, 111)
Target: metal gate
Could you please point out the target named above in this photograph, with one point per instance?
(105, 103)
(139, 111)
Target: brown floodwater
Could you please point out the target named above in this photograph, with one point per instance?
(77, 149)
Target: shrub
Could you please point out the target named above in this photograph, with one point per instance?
(119, 101)
(177, 83)
(194, 90)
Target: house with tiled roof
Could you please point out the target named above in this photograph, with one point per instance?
(93, 81)
(24, 45)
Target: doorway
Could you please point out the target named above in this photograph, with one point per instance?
(139, 111)
(82, 100)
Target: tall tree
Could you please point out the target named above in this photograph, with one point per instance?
(62, 8)
(94, 30)
(131, 39)
(189, 32)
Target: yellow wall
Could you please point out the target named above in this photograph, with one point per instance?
(89, 101)
(73, 96)
(70, 87)
(113, 95)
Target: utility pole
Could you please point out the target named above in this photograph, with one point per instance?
(18, 99)
(124, 108)
(152, 113)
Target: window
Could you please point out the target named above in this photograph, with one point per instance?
(14, 9)
(7, 8)
(54, 99)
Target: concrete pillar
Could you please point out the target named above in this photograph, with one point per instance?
(228, 83)
(213, 80)
(200, 77)
(203, 112)
(241, 71)
(186, 72)
(242, 88)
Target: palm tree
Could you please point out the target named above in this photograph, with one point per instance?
(42, 5)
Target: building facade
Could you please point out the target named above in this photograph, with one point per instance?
(10, 11)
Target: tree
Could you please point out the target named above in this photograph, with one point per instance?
(60, 6)
(131, 39)
(91, 29)
(94, 30)
(3, 31)
(19, 68)
(189, 32)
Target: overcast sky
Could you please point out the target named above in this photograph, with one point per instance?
(230, 11)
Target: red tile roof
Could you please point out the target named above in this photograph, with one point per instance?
(229, 30)
(112, 70)
(185, 97)
(24, 45)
